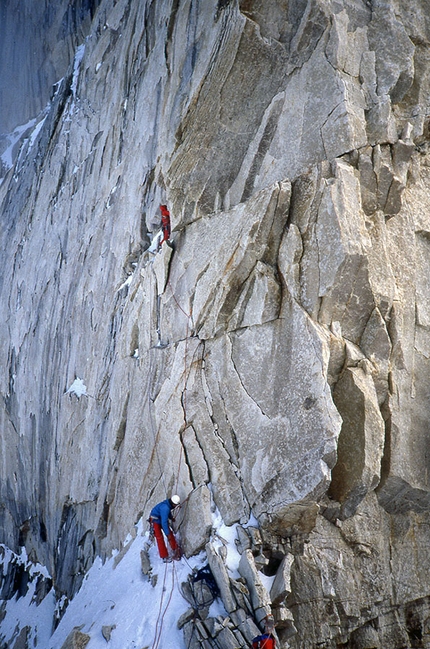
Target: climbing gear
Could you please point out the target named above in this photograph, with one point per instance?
(151, 530)
(269, 624)
(177, 555)
(200, 590)
(175, 499)
(205, 576)
(265, 641)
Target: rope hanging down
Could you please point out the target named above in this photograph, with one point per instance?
(162, 613)
(184, 392)
(160, 618)
(166, 229)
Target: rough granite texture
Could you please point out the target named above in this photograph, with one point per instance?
(278, 350)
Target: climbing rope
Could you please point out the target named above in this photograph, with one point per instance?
(193, 631)
(184, 393)
(157, 624)
(184, 400)
(161, 615)
(155, 435)
(187, 370)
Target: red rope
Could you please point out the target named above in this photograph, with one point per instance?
(187, 315)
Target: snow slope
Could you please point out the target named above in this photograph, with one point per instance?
(117, 594)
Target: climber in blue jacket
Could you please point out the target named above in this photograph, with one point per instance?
(159, 519)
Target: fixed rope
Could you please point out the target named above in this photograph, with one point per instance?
(155, 435)
(161, 612)
(184, 393)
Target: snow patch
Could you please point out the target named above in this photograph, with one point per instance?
(226, 535)
(266, 581)
(78, 387)
(252, 522)
(127, 282)
(23, 611)
(36, 132)
(79, 55)
(141, 612)
(7, 157)
(156, 241)
(123, 597)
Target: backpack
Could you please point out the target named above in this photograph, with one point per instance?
(201, 589)
(265, 641)
(205, 575)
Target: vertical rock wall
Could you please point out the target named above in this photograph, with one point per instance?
(37, 43)
(278, 349)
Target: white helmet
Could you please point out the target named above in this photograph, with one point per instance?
(175, 499)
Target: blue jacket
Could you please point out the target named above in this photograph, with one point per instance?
(161, 514)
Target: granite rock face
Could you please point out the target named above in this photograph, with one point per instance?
(277, 349)
(37, 44)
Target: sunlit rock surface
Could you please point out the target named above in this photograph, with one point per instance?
(276, 353)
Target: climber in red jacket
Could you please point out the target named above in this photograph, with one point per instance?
(159, 519)
(165, 223)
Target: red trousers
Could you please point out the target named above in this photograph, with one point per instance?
(158, 533)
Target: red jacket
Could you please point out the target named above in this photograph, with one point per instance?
(165, 222)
